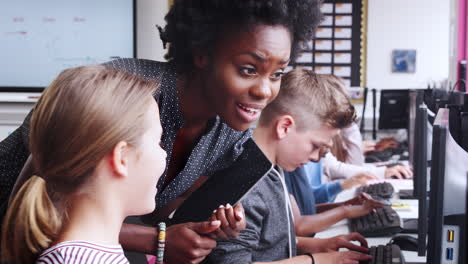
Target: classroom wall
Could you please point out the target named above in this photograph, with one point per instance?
(149, 14)
(422, 25)
(14, 107)
(455, 27)
(428, 26)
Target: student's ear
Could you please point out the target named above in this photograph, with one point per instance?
(119, 159)
(284, 126)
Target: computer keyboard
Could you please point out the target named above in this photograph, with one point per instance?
(385, 254)
(383, 190)
(387, 149)
(384, 221)
(378, 156)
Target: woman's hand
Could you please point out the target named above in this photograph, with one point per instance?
(232, 221)
(188, 243)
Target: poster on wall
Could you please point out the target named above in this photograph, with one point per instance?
(404, 61)
(340, 42)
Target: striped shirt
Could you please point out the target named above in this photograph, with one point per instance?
(81, 252)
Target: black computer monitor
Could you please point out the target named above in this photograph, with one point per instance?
(458, 101)
(415, 100)
(417, 122)
(459, 98)
(420, 168)
(448, 195)
(420, 175)
(393, 113)
(455, 121)
(464, 130)
(418, 142)
(435, 98)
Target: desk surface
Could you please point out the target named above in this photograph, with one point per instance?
(342, 226)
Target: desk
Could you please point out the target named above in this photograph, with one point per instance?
(342, 226)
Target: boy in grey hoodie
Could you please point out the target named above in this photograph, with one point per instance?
(293, 130)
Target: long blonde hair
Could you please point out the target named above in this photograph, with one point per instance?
(79, 118)
(338, 149)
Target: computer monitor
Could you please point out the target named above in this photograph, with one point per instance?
(42, 38)
(459, 98)
(420, 168)
(415, 100)
(420, 165)
(464, 130)
(448, 196)
(418, 141)
(393, 113)
(458, 105)
(455, 111)
(435, 98)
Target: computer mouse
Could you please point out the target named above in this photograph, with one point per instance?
(405, 242)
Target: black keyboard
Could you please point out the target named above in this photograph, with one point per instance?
(385, 221)
(385, 254)
(378, 156)
(382, 190)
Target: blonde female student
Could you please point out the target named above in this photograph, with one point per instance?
(95, 143)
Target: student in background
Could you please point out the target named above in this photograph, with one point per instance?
(291, 132)
(335, 169)
(305, 185)
(225, 62)
(312, 173)
(346, 157)
(97, 161)
(348, 145)
(312, 200)
(312, 206)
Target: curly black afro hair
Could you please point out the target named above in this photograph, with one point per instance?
(196, 24)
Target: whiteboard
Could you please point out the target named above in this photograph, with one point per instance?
(38, 39)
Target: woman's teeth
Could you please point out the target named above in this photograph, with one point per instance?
(249, 110)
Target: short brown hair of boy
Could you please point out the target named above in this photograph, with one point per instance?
(309, 97)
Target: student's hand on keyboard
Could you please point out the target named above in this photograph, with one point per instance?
(398, 172)
(232, 221)
(356, 180)
(368, 146)
(363, 198)
(344, 241)
(342, 257)
(353, 211)
(386, 143)
(361, 205)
